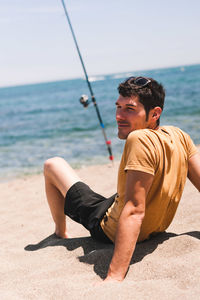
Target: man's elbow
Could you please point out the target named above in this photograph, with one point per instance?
(138, 216)
(133, 212)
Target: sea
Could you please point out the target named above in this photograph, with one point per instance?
(43, 120)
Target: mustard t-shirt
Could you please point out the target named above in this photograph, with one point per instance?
(163, 153)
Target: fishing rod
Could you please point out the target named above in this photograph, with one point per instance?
(84, 99)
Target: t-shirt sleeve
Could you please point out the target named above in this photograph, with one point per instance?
(191, 148)
(140, 154)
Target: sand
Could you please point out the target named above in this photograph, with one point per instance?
(37, 265)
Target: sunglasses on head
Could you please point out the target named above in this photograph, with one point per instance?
(139, 81)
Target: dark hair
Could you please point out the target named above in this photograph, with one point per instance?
(150, 95)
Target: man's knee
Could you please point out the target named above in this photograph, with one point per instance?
(52, 164)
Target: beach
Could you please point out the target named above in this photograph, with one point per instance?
(48, 119)
(35, 264)
(42, 116)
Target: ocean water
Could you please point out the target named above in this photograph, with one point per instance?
(43, 120)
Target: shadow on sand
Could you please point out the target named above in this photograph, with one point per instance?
(99, 254)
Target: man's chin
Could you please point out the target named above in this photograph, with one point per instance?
(122, 136)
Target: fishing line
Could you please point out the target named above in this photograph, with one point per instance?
(84, 99)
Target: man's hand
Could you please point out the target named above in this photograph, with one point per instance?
(108, 280)
(112, 279)
(137, 186)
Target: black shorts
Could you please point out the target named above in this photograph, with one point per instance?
(87, 208)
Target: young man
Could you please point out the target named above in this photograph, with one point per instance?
(152, 173)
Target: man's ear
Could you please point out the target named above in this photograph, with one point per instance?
(156, 112)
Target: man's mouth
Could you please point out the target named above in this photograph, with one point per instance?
(122, 124)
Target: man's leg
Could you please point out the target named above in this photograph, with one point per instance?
(59, 177)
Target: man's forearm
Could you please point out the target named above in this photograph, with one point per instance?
(126, 238)
(137, 186)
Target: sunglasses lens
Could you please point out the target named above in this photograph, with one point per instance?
(141, 81)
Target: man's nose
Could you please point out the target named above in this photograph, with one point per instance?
(119, 115)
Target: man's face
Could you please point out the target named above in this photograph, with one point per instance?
(130, 115)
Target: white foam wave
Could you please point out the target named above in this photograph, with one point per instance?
(96, 78)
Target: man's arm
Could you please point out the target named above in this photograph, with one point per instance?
(137, 187)
(194, 170)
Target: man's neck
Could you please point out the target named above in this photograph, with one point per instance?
(154, 127)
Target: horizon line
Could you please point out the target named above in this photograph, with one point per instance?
(93, 75)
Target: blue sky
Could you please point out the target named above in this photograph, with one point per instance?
(113, 35)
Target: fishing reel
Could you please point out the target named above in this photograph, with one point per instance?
(84, 100)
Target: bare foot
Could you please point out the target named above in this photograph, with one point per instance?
(63, 235)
